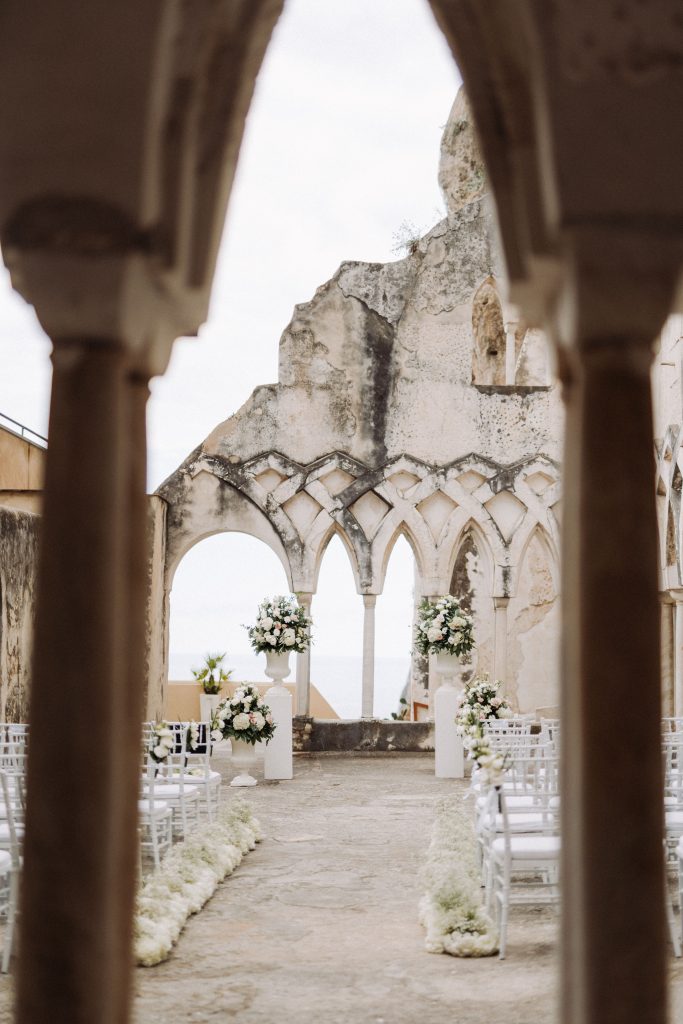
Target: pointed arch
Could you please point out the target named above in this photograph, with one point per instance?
(473, 529)
(335, 530)
(402, 530)
(488, 330)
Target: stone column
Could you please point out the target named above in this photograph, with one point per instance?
(614, 958)
(500, 651)
(369, 602)
(666, 608)
(133, 689)
(77, 863)
(678, 653)
(510, 354)
(303, 667)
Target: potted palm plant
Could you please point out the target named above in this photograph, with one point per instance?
(211, 677)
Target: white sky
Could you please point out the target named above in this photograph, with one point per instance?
(341, 147)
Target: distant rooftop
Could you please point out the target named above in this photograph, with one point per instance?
(7, 423)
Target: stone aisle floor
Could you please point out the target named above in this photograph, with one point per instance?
(320, 921)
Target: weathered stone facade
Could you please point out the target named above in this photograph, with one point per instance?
(18, 558)
(410, 401)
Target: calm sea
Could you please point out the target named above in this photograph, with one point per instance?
(338, 678)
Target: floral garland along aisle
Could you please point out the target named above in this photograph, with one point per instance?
(188, 877)
(450, 910)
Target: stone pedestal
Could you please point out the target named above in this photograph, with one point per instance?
(449, 759)
(279, 762)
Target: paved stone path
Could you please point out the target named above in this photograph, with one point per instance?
(320, 921)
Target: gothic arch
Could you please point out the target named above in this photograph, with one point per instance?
(402, 530)
(319, 554)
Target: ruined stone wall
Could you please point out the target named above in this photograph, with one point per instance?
(18, 565)
(410, 400)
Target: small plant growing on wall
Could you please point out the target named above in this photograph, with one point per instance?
(212, 675)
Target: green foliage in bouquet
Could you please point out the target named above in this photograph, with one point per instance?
(212, 675)
(244, 716)
(443, 627)
(282, 625)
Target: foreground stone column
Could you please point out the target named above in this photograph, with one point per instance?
(614, 924)
(368, 699)
(500, 650)
(133, 687)
(303, 668)
(77, 870)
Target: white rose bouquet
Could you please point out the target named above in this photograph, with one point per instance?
(443, 627)
(281, 625)
(480, 703)
(162, 742)
(244, 716)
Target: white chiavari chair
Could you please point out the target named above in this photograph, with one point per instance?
(170, 783)
(523, 865)
(155, 818)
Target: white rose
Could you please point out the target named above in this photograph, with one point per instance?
(258, 721)
(451, 640)
(240, 721)
(216, 735)
(289, 637)
(272, 639)
(160, 752)
(266, 622)
(433, 634)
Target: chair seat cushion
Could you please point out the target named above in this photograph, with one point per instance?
(170, 790)
(525, 822)
(200, 779)
(528, 847)
(158, 807)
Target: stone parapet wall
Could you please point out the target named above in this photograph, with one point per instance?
(315, 735)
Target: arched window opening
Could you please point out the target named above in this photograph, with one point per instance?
(216, 589)
(336, 654)
(533, 633)
(470, 583)
(394, 664)
(506, 354)
(489, 336)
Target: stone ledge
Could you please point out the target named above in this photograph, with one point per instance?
(316, 735)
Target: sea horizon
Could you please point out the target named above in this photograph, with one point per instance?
(338, 677)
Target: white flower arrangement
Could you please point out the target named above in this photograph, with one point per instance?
(162, 742)
(244, 716)
(443, 627)
(188, 877)
(282, 625)
(491, 765)
(480, 703)
(450, 910)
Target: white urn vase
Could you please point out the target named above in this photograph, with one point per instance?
(277, 666)
(244, 759)
(208, 702)
(279, 763)
(448, 747)
(448, 667)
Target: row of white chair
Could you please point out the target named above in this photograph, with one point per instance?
(517, 824)
(177, 789)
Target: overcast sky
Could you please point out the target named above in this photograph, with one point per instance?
(341, 147)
